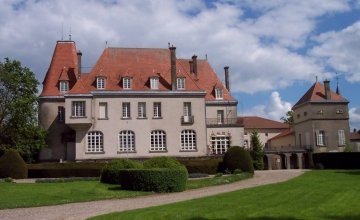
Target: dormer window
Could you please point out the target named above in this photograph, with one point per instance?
(64, 86)
(218, 93)
(154, 82)
(126, 83)
(100, 82)
(180, 83)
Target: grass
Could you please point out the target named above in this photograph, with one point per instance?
(325, 194)
(15, 195)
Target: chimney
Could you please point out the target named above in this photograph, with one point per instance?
(173, 67)
(191, 66)
(194, 64)
(327, 89)
(79, 54)
(227, 80)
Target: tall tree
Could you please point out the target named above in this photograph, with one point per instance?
(18, 110)
(257, 151)
(288, 118)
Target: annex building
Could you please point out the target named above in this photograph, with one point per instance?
(135, 103)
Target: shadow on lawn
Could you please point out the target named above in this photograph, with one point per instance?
(344, 217)
(350, 172)
(115, 188)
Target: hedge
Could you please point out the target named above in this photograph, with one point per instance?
(238, 158)
(337, 160)
(203, 165)
(12, 165)
(110, 172)
(156, 179)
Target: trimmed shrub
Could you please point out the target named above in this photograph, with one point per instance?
(163, 162)
(12, 165)
(238, 158)
(155, 179)
(110, 172)
(205, 165)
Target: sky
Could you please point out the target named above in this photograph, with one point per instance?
(276, 49)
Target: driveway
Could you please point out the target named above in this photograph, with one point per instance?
(85, 210)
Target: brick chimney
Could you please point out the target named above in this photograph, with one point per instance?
(227, 80)
(79, 54)
(327, 89)
(194, 61)
(173, 66)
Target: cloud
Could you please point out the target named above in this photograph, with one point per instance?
(354, 114)
(274, 109)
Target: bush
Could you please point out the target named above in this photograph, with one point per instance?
(202, 165)
(163, 162)
(110, 172)
(238, 158)
(12, 165)
(155, 179)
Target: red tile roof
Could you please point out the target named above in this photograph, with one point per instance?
(138, 63)
(63, 66)
(288, 132)
(255, 122)
(316, 93)
(355, 136)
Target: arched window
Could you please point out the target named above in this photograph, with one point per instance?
(188, 140)
(126, 141)
(95, 142)
(158, 140)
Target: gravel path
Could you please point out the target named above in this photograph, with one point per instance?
(85, 210)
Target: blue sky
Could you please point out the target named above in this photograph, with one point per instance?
(275, 49)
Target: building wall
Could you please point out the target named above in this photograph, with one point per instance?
(285, 142)
(264, 135)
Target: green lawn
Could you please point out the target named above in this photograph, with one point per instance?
(14, 195)
(315, 195)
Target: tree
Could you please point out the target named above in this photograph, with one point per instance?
(257, 151)
(288, 118)
(18, 110)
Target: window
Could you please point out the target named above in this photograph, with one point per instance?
(320, 112)
(220, 116)
(95, 142)
(100, 82)
(64, 86)
(246, 143)
(127, 83)
(126, 141)
(158, 141)
(102, 110)
(180, 83)
(341, 137)
(339, 111)
(61, 114)
(320, 138)
(266, 134)
(305, 113)
(188, 140)
(141, 110)
(78, 109)
(220, 144)
(154, 83)
(187, 108)
(157, 109)
(126, 109)
(218, 93)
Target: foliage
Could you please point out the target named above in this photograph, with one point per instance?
(18, 110)
(288, 118)
(163, 162)
(204, 165)
(257, 151)
(110, 172)
(198, 175)
(154, 179)
(304, 197)
(12, 165)
(238, 158)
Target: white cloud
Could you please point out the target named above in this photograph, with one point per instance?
(354, 114)
(274, 109)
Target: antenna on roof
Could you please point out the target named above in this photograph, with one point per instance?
(106, 44)
(70, 34)
(62, 31)
(206, 56)
(337, 84)
(316, 78)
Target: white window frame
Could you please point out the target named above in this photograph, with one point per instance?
(320, 138)
(61, 114)
(141, 109)
(180, 83)
(154, 82)
(126, 83)
(220, 117)
(218, 93)
(95, 142)
(157, 109)
(158, 141)
(100, 82)
(64, 85)
(220, 144)
(103, 114)
(188, 140)
(341, 137)
(126, 113)
(78, 109)
(126, 141)
(187, 109)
